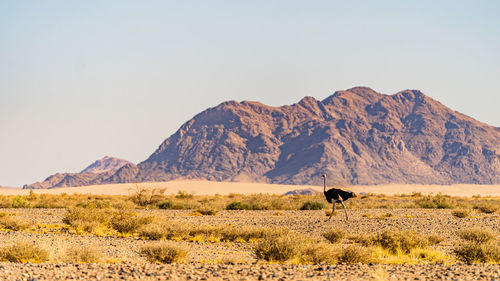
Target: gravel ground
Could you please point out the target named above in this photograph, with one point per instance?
(129, 265)
(128, 271)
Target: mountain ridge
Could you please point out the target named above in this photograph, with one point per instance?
(355, 136)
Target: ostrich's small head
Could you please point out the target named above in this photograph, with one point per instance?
(323, 176)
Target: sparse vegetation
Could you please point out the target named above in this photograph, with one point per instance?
(144, 196)
(82, 254)
(487, 208)
(164, 252)
(23, 251)
(312, 205)
(279, 246)
(477, 235)
(334, 235)
(462, 213)
(438, 201)
(354, 254)
(9, 222)
(473, 252)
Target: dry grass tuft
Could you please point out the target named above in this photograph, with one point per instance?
(164, 252)
(82, 254)
(312, 205)
(487, 208)
(473, 252)
(354, 254)
(477, 235)
(463, 213)
(144, 196)
(127, 222)
(334, 235)
(22, 252)
(279, 246)
(10, 222)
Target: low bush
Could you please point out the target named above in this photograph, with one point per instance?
(279, 246)
(9, 222)
(477, 235)
(236, 205)
(82, 254)
(463, 213)
(207, 211)
(23, 252)
(473, 252)
(144, 196)
(354, 254)
(169, 205)
(164, 252)
(438, 201)
(127, 222)
(334, 235)
(487, 208)
(84, 220)
(398, 241)
(319, 253)
(312, 205)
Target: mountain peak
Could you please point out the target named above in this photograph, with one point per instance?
(107, 163)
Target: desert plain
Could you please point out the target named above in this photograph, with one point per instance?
(249, 231)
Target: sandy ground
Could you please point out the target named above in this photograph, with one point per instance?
(224, 188)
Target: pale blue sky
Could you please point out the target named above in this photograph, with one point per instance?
(83, 79)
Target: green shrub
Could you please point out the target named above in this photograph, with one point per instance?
(312, 205)
(236, 205)
(207, 212)
(19, 202)
(171, 205)
(334, 235)
(164, 252)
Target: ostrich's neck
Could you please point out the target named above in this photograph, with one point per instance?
(324, 184)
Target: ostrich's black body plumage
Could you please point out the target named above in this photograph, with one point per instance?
(335, 195)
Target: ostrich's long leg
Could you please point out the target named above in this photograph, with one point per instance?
(346, 216)
(333, 210)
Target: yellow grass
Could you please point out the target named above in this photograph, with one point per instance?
(226, 188)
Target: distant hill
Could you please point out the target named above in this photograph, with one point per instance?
(96, 173)
(105, 164)
(357, 136)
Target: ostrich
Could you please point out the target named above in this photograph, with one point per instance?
(335, 195)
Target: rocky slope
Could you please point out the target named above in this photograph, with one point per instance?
(96, 173)
(357, 136)
(105, 164)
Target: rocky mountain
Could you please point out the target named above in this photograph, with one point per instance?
(105, 164)
(97, 173)
(357, 136)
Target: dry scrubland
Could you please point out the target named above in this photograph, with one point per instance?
(152, 236)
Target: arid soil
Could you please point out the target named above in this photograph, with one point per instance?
(235, 261)
(199, 187)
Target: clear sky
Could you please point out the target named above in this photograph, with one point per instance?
(83, 79)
